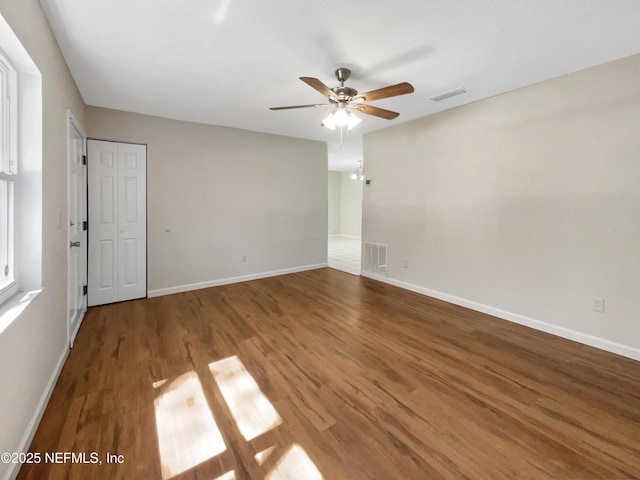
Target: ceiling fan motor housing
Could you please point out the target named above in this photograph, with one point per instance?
(342, 92)
(345, 93)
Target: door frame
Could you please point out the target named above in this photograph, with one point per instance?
(72, 123)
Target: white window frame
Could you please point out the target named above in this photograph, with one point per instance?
(9, 171)
(25, 115)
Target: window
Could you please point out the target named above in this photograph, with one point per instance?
(8, 176)
(20, 177)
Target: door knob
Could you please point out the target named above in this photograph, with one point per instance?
(74, 244)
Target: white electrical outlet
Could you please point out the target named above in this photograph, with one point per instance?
(243, 258)
(597, 304)
(406, 263)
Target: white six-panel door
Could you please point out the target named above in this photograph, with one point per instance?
(77, 257)
(117, 222)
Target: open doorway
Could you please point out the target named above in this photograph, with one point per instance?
(345, 206)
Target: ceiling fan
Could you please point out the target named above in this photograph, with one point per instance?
(346, 100)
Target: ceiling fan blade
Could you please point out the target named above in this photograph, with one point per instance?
(319, 86)
(302, 106)
(386, 92)
(376, 112)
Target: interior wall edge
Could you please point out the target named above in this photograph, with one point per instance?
(563, 332)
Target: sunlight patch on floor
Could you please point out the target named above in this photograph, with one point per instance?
(227, 476)
(264, 454)
(252, 411)
(295, 465)
(187, 432)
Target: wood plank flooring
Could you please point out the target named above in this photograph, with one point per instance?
(323, 374)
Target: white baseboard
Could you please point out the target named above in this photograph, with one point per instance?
(353, 237)
(580, 337)
(72, 337)
(30, 431)
(226, 281)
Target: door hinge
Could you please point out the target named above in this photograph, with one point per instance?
(84, 159)
(85, 225)
(84, 290)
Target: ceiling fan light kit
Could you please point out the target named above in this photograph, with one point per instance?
(345, 100)
(341, 116)
(352, 121)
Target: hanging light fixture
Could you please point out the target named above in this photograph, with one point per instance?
(358, 173)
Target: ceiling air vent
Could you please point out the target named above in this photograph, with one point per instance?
(449, 94)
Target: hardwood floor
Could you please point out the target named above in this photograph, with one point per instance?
(325, 373)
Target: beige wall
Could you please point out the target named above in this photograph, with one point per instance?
(32, 346)
(525, 205)
(223, 193)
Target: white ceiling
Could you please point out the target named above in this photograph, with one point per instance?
(225, 62)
